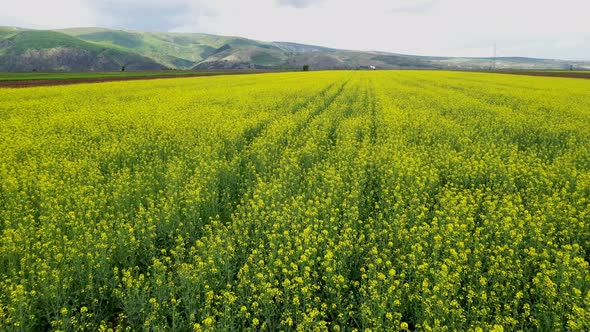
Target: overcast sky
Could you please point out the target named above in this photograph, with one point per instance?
(536, 28)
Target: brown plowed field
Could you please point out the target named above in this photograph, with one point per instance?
(585, 75)
(50, 82)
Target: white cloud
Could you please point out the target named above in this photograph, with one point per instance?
(149, 14)
(298, 3)
(413, 7)
(569, 43)
(427, 27)
(46, 14)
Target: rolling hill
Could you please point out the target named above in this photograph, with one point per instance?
(6, 32)
(30, 50)
(180, 51)
(92, 49)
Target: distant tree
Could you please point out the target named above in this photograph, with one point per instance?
(306, 68)
(571, 67)
(123, 68)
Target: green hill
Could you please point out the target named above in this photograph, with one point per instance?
(181, 51)
(6, 32)
(205, 52)
(100, 49)
(50, 51)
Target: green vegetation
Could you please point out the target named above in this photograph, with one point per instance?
(50, 51)
(181, 51)
(6, 32)
(319, 201)
(203, 52)
(404, 61)
(116, 38)
(26, 40)
(11, 76)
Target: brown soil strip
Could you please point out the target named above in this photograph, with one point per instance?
(67, 81)
(547, 74)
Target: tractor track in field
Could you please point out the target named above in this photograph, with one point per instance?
(241, 159)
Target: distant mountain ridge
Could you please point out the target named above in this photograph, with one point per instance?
(101, 49)
(30, 50)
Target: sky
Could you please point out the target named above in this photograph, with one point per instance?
(532, 28)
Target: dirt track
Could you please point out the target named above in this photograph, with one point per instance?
(51, 82)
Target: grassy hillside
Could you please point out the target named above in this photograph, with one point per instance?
(203, 51)
(6, 32)
(180, 51)
(241, 53)
(50, 50)
(108, 49)
(25, 40)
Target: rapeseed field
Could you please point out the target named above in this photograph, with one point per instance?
(320, 201)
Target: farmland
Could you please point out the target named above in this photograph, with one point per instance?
(585, 74)
(11, 76)
(335, 201)
(28, 79)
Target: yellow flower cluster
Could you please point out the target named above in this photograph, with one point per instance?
(328, 201)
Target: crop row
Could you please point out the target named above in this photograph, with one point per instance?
(297, 201)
